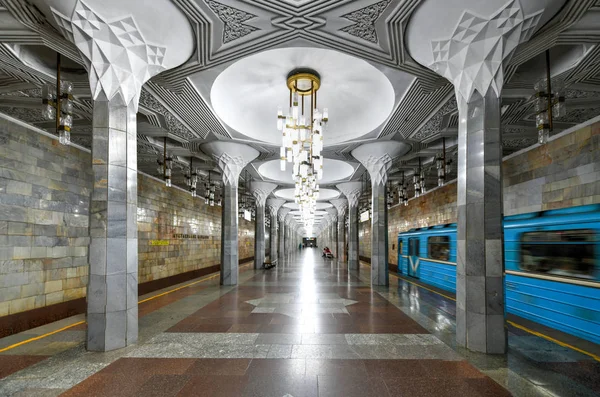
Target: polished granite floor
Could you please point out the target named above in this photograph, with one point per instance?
(305, 328)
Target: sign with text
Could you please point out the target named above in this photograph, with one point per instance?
(364, 216)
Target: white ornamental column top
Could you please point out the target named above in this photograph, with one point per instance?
(282, 214)
(341, 205)
(377, 158)
(472, 41)
(274, 204)
(261, 190)
(352, 192)
(231, 158)
(115, 47)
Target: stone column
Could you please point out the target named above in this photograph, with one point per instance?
(288, 234)
(231, 158)
(352, 192)
(274, 205)
(281, 217)
(474, 63)
(377, 158)
(260, 191)
(117, 68)
(341, 205)
(332, 212)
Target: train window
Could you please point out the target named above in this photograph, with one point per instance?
(561, 253)
(439, 247)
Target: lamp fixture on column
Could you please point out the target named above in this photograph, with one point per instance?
(549, 103)
(440, 164)
(209, 192)
(390, 195)
(192, 178)
(417, 180)
(302, 138)
(165, 165)
(57, 104)
(422, 177)
(402, 192)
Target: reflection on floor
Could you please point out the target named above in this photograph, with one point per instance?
(304, 328)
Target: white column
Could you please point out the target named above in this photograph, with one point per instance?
(274, 205)
(231, 158)
(117, 68)
(470, 48)
(342, 206)
(352, 192)
(377, 158)
(260, 191)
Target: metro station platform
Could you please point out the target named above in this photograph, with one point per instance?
(304, 328)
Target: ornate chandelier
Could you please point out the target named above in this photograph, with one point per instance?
(302, 139)
(549, 103)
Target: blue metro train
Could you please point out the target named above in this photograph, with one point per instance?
(552, 261)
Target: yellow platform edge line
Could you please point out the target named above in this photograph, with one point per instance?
(7, 348)
(519, 326)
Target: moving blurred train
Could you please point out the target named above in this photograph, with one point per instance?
(552, 266)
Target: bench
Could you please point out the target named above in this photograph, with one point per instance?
(270, 264)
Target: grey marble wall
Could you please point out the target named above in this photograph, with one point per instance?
(45, 191)
(44, 210)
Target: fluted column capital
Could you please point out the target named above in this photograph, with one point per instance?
(341, 205)
(274, 204)
(231, 158)
(352, 192)
(377, 158)
(282, 214)
(475, 40)
(122, 53)
(261, 190)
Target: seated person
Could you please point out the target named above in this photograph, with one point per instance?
(327, 252)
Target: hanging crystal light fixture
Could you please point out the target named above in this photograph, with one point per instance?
(207, 190)
(192, 178)
(402, 192)
(57, 104)
(302, 139)
(549, 103)
(440, 164)
(165, 165)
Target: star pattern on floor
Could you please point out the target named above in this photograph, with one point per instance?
(300, 305)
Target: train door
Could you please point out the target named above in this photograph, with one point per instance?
(413, 257)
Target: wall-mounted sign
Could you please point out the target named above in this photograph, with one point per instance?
(194, 236)
(364, 216)
(159, 242)
(247, 215)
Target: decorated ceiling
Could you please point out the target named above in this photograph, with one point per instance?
(242, 51)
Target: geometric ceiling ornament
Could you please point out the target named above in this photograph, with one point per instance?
(116, 55)
(247, 93)
(364, 21)
(233, 21)
(473, 58)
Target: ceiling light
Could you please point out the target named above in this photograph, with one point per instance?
(302, 139)
(549, 103)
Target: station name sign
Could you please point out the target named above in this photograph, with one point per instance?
(191, 236)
